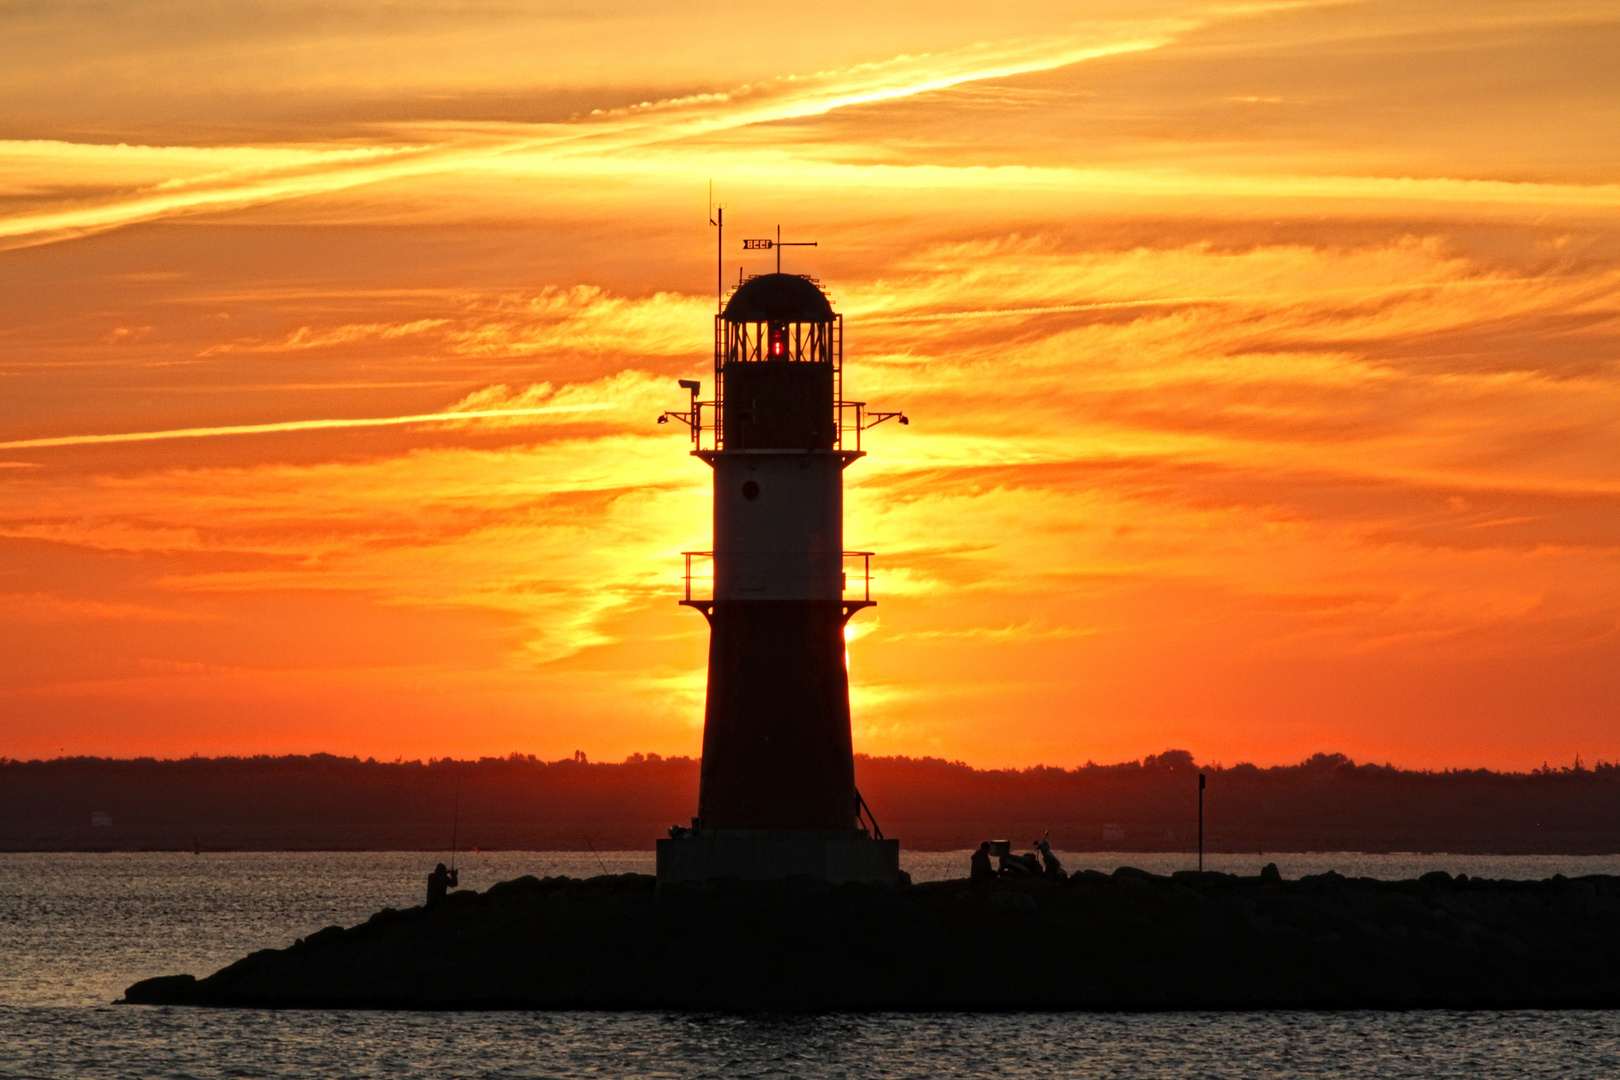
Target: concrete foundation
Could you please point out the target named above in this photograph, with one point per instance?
(833, 855)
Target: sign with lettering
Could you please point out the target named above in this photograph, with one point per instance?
(758, 245)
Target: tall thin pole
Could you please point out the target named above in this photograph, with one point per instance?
(779, 249)
(717, 218)
(1200, 823)
(455, 827)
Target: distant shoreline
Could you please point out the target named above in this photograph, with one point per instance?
(321, 802)
(1100, 853)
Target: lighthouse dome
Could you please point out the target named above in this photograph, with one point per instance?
(778, 298)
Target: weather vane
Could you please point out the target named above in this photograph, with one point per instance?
(778, 244)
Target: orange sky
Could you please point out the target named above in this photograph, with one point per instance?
(1261, 360)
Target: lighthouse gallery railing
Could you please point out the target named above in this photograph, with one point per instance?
(863, 581)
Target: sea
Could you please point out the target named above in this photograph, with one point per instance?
(75, 929)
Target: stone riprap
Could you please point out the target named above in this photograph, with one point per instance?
(1129, 940)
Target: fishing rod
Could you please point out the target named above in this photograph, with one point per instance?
(592, 846)
(455, 827)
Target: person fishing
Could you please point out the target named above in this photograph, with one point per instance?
(440, 883)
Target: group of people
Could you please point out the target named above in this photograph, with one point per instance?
(1039, 863)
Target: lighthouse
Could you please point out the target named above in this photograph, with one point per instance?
(777, 791)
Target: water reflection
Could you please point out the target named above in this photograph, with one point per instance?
(96, 1043)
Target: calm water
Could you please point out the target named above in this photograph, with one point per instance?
(76, 929)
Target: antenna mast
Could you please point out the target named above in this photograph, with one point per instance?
(717, 218)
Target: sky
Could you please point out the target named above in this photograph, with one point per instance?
(1262, 362)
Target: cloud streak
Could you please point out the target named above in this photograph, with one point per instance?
(287, 426)
(557, 145)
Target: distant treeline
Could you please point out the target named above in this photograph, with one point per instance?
(1328, 803)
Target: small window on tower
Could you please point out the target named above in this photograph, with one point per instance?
(778, 341)
(750, 491)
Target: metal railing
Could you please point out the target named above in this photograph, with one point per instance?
(863, 581)
(737, 343)
(733, 344)
(864, 418)
(850, 419)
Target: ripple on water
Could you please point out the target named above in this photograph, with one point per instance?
(203, 1044)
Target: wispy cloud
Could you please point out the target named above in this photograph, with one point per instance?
(286, 426)
(255, 181)
(305, 337)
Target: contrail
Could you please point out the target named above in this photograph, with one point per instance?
(289, 425)
(591, 139)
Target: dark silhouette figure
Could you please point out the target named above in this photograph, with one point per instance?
(1020, 865)
(980, 864)
(439, 883)
(1051, 869)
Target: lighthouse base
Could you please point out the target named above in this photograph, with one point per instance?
(833, 856)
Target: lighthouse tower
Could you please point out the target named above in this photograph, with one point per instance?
(778, 796)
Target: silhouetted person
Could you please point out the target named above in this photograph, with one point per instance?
(439, 883)
(980, 864)
(1051, 869)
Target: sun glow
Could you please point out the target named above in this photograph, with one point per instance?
(1261, 361)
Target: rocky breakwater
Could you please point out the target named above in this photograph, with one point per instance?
(1129, 940)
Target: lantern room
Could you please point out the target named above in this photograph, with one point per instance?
(778, 366)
